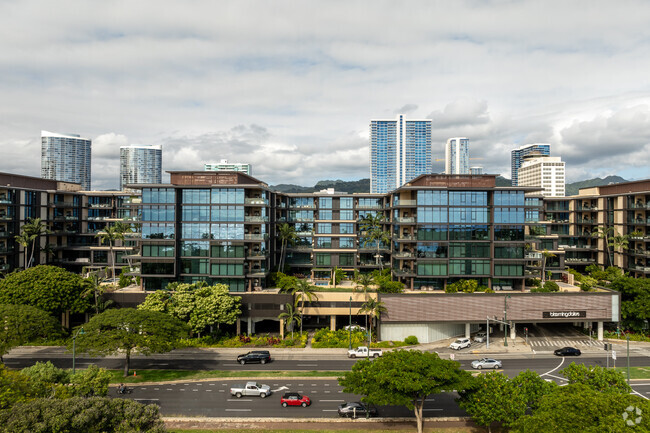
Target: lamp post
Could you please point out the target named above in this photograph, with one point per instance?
(627, 337)
(505, 319)
(350, 327)
(74, 346)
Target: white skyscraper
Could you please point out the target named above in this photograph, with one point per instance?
(457, 156)
(140, 164)
(546, 172)
(224, 165)
(400, 150)
(66, 157)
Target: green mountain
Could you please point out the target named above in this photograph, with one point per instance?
(361, 185)
(572, 188)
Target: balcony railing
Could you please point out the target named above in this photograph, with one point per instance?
(100, 205)
(405, 203)
(369, 206)
(405, 219)
(406, 238)
(63, 204)
(6, 217)
(256, 200)
(256, 219)
(65, 218)
(404, 272)
(578, 260)
(301, 220)
(5, 201)
(256, 237)
(403, 255)
(301, 247)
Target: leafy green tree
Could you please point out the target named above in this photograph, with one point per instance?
(48, 288)
(95, 288)
(374, 308)
(404, 378)
(127, 329)
(372, 230)
(15, 388)
(290, 316)
(532, 387)
(198, 305)
(54, 382)
(81, 415)
(20, 324)
(614, 241)
(597, 378)
(91, 382)
(364, 281)
(287, 235)
(635, 301)
(492, 398)
(579, 408)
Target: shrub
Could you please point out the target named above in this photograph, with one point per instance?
(339, 338)
(391, 287)
(551, 286)
(125, 280)
(411, 340)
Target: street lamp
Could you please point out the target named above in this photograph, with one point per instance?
(505, 319)
(74, 346)
(350, 327)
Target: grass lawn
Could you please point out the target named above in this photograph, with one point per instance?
(635, 372)
(167, 375)
(410, 430)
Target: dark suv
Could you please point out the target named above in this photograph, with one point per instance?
(261, 356)
(356, 409)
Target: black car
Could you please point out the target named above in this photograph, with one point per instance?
(568, 351)
(261, 356)
(356, 409)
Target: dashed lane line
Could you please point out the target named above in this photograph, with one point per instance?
(238, 410)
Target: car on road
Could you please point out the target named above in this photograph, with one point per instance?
(461, 343)
(251, 389)
(568, 351)
(354, 328)
(486, 363)
(294, 399)
(364, 352)
(261, 356)
(480, 337)
(356, 409)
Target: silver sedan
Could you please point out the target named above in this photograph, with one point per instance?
(486, 363)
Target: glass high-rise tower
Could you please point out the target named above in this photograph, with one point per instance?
(66, 157)
(400, 150)
(140, 164)
(457, 156)
(517, 158)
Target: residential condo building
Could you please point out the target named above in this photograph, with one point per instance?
(140, 164)
(517, 158)
(66, 158)
(224, 165)
(546, 172)
(457, 156)
(400, 150)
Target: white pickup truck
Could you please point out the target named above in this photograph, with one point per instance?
(363, 352)
(251, 389)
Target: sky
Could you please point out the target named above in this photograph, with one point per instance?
(290, 86)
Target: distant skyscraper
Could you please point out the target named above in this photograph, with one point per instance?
(66, 157)
(476, 170)
(233, 166)
(517, 158)
(140, 164)
(546, 172)
(457, 156)
(400, 150)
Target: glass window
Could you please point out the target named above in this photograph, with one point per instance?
(469, 233)
(508, 252)
(468, 215)
(324, 228)
(324, 242)
(324, 214)
(346, 215)
(155, 213)
(227, 269)
(346, 259)
(157, 231)
(197, 196)
(346, 203)
(227, 195)
(156, 250)
(432, 268)
(195, 231)
(346, 243)
(157, 268)
(508, 215)
(432, 233)
(509, 198)
(299, 202)
(194, 266)
(431, 250)
(468, 198)
(196, 213)
(227, 250)
(325, 203)
(158, 195)
(227, 213)
(469, 267)
(509, 233)
(227, 231)
(508, 270)
(195, 249)
(432, 198)
(322, 259)
(469, 249)
(432, 215)
(346, 228)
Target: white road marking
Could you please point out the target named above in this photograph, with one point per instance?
(169, 389)
(326, 384)
(307, 365)
(424, 410)
(182, 389)
(156, 389)
(208, 390)
(326, 392)
(330, 400)
(551, 371)
(222, 390)
(330, 410)
(162, 364)
(240, 399)
(238, 410)
(195, 390)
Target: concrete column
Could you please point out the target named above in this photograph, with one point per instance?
(249, 322)
(238, 326)
(332, 323)
(252, 327)
(585, 325)
(467, 330)
(600, 331)
(282, 328)
(513, 332)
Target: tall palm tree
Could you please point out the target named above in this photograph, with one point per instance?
(110, 235)
(290, 315)
(364, 281)
(36, 229)
(546, 254)
(374, 308)
(121, 229)
(303, 291)
(372, 230)
(605, 233)
(615, 240)
(25, 239)
(287, 234)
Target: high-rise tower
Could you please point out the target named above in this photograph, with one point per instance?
(66, 157)
(517, 158)
(140, 164)
(400, 150)
(457, 156)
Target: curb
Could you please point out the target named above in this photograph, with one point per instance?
(310, 420)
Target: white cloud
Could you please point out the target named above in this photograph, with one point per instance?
(305, 78)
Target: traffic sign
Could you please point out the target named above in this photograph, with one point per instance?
(614, 355)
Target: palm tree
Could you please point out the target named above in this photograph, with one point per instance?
(25, 239)
(290, 315)
(36, 229)
(288, 236)
(546, 254)
(110, 235)
(94, 287)
(372, 230)
(604, 233)
(374, 307)
(337, 275)
(364, 281)
(615, 240)
(121, 229)
(303, 291)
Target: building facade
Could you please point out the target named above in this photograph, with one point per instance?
(546, 172)
(66, 157)
(457, 156)
(400, 150)
(140, 164)
(517, 158)
(224, 165)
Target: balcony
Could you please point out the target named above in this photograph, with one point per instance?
(134, 200)
(256, 201)
(369, 206)
(256, 255)
(64, 204)
(281, 205)
(256, 219)
(407, 220)
(404, 272)
(406, 238)
(587, 221)
(301, 247)
(301, 220)
(5, 200)
(579, 260)
(5, 250)
(303, 206)
(404, 255)
(100, 205)
(66, 218)
(98, 218)
(257, 272)
(256, 237)
(5, 217)
(410, 203)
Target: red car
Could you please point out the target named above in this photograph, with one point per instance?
(294, 399)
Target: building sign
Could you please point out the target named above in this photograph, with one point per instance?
(571, 314)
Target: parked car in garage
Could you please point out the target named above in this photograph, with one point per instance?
(261, 356)
(568, 351)
(356, 409)
(480, 337)
(486, 363)
(461, 343)
(294, 399)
